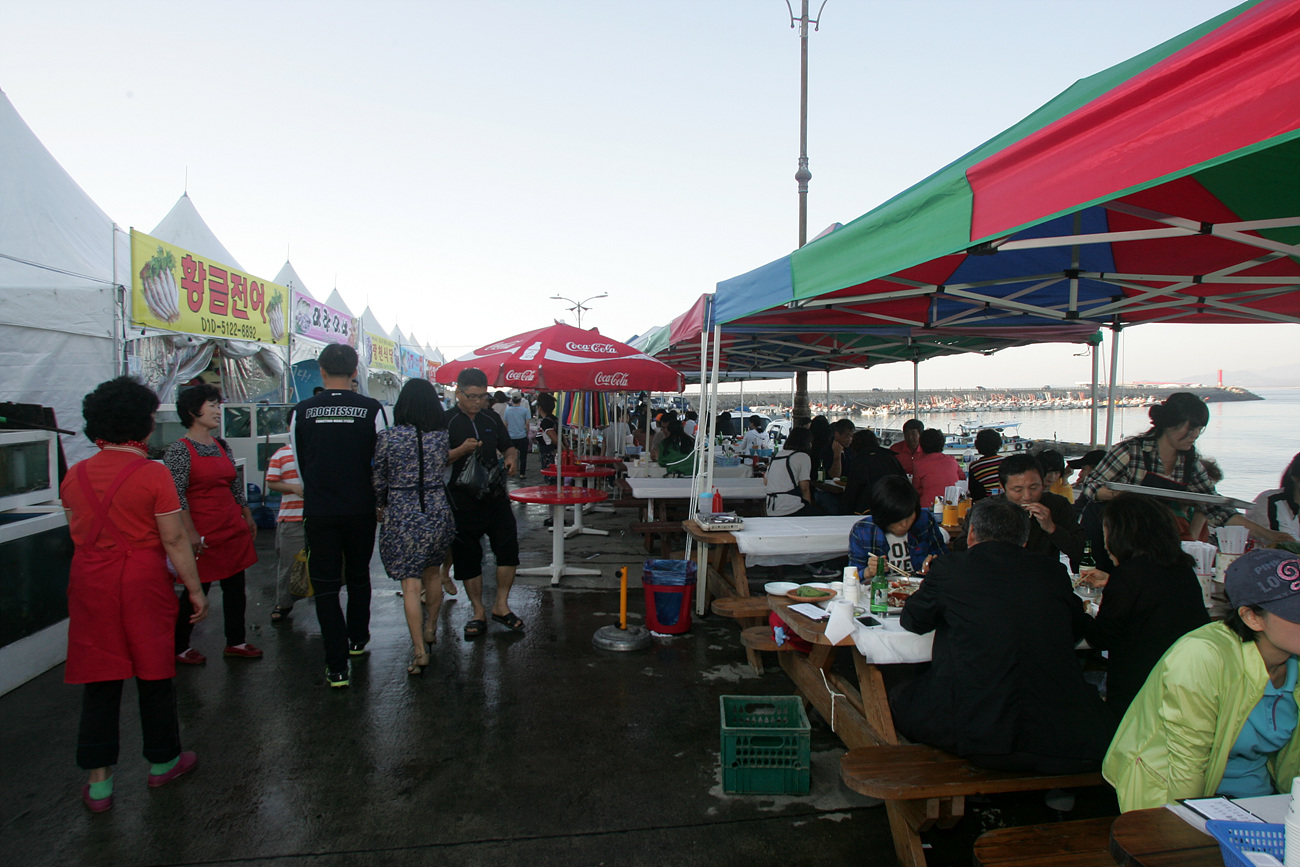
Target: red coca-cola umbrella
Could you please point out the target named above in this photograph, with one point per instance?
(563, 358)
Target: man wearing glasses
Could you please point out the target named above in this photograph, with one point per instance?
(476, 433)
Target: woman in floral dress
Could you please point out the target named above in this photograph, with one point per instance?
(417, 524)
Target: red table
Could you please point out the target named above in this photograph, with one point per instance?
(580, 471)
(558, 499)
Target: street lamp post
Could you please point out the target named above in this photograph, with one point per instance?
(579, 307)
(800, 410)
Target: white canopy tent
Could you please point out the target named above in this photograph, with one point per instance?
(62, 263)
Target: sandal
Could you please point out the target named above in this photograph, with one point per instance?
(419, 662)
(448, 585)
(278, 614)
(475, 628)
(510, 621)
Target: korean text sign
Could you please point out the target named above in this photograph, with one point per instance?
(316, 321)
(175, 290)
(381, 353)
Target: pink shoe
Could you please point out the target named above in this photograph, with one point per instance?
(185, 764)
(191, 657)
(101, 805)
(246, 651)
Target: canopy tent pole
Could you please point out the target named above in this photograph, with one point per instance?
(1092, 427)
(828, 389)
(702, 567)
(1114, 372)
(916, 386)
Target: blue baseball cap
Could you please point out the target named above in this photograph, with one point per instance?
(1269, 578)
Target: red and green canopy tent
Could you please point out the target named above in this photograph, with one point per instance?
(1164, 189)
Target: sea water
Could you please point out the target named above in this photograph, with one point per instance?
(1253, 441)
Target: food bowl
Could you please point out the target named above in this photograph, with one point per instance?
(830, 594)
(779, 588)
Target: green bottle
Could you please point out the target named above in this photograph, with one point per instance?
(880, 588)
(1088, 561)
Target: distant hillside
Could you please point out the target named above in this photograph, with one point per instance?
(1285, 375)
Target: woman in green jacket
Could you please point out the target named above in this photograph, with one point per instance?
(677, 452)
(1218, 713)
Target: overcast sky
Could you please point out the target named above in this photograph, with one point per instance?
(455, 164)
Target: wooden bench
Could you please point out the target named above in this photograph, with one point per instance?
(666, 531)
(1081, 843)
(927, 787)
(752, 613)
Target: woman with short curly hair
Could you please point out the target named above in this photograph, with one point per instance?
(125, 521)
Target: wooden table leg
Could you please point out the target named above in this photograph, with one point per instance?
(875, 702)
(903, 817)
(755, 657)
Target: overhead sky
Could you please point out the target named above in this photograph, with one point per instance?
(453, 165)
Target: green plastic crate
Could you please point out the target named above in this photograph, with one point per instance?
(765, 748)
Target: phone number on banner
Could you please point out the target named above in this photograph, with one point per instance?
(229, 328)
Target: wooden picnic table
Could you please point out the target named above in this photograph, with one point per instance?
(1160, 838)
(922, 787)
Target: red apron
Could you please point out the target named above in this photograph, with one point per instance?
(227, 544)
(121, 605)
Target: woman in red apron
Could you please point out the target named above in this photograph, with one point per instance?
(215, 511)
(124, 518)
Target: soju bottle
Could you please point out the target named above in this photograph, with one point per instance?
(880, 588)
(1088, 561)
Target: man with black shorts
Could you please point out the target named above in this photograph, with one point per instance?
(476, 433)
(334, 435)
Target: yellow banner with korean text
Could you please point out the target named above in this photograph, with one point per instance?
(380, 353)
(175, 290)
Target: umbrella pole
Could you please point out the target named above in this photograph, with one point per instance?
(1114, 372)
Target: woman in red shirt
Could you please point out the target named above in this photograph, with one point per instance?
(933, 471)
(125, 522)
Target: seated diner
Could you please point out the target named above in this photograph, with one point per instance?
(897, 529)
(1217, 715)
(1054, 529)
(1004, 689)
(1152, 598)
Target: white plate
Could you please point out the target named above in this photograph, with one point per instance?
(779, 588)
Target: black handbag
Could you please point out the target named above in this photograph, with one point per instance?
(477, 480)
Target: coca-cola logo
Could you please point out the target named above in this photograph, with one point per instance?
(520, 375)
(612, 380)
(605, 348)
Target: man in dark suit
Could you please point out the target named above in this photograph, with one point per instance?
(1004, 688)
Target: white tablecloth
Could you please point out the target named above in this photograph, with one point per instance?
(680, 489)
(890, 643)
(654, 471)
(792, 541)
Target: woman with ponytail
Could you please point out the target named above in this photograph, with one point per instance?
(1164, 457)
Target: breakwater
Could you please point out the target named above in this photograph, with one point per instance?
(899, 401)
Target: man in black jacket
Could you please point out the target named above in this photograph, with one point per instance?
(1004, 688)
(1054, 529)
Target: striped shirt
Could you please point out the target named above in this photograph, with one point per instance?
(283, 468)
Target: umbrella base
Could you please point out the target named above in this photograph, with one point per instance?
(613, 638)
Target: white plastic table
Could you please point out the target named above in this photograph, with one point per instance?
(680, 489)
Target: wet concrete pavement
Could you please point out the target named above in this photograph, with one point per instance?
(511, 749)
